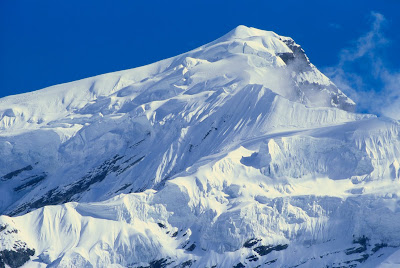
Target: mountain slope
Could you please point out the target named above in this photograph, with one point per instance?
(56, 131)
(240, 153)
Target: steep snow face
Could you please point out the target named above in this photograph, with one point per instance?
(223, 212)
(147, 124)
(238, 153)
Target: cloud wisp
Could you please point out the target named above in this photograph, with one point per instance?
(363, 75)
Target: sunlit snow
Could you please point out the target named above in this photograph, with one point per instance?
(239, 153)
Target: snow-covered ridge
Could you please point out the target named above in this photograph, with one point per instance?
(243, 56)
(239, 83)
(237, 153)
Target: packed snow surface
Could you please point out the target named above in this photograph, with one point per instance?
(239, 153)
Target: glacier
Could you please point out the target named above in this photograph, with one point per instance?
(239, 153)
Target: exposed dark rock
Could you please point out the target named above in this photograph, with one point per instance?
(161, 225)
(121, 170)
(184, 244)
(191, 147)
(12, 231)
(271, 262)
(16, 173)
(239, 265)
(191, 248)
(251, 242)
(354, 250)
(35, 180)
(175, 234)
(301, 264)
(298, 62)
(15, 258)
(287, 57)
(252, 258)
(185, 264)
(361, 240)
(379, 246)
(123, 187)
(344, 266)
(60, 195)
(363, 245)
(363, 258)
(298, 59)
(264, 250)
(161, 263)
(208, 133)
(137, 143)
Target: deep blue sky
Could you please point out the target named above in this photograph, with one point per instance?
(48, 42)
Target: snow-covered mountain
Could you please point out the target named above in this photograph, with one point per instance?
(237, 154)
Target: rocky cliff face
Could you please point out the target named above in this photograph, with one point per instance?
(237, 154)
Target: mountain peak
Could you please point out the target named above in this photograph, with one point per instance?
(265, 50)
(245, 33)
(242, 32)
(244, 56)
(237, 153)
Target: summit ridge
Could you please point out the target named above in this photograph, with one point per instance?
(239, 153)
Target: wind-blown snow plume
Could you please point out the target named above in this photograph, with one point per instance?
(374, 86)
